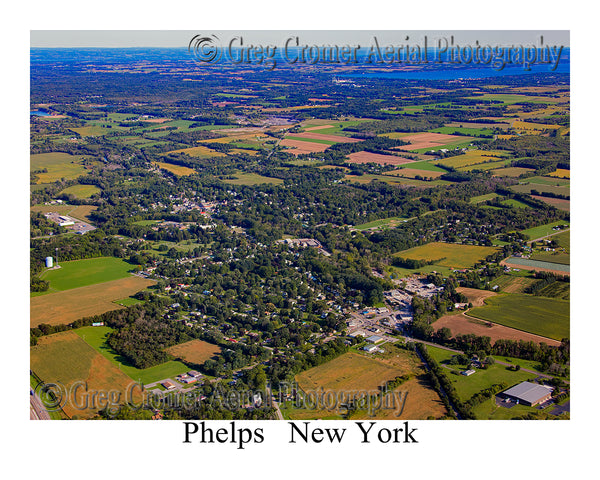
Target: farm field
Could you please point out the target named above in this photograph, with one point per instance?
(552, 257)
(538, 315)
(95, 337)
(511, 171)
(509, 98)
(472, 157)
(536, 265)
(298, 147)
(359, 373)
(382, 223)
(512, 283)
(424, 165)
(469, 131)
(368, 157)
(178, 170)
(79, 273)
(64, 357)
(464, 324)
(449, 254)
(560, 173)
(546, 180)
(197, 152)
(195, 351)
(475, 296)
(58, 165)
(529, 187)
(544, 230)
(80, 212)
(483, 198)
(81, 191)
(559, 203)
(394, 180)
(413, 173)
(67, 306)
(320, 135)
(485, 166)
(252, 179)
(432, 141)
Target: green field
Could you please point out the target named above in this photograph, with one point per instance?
(473, 132)
(252, 179)
(538, 315)
(423, 165)
(465, 386)
(483, 198)
(96, 338)
(544, 230)
(528, 187)
(515, 203)
(58, 165)
(81, 191)
(79, 273)
(449, 254)
(384, 222)
(146, 223)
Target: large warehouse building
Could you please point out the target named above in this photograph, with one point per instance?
(527, 393)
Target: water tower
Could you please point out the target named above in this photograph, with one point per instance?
(49, 262)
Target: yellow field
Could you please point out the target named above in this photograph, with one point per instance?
(449, 254)
(472, 157)
(65, 358)
(528, 126)
(178, 170)
(57, 165)
(194, 351)
(560, 173)
(511, 171)
(70, 305)
(353, 372)
(202, 152)
(81, 191)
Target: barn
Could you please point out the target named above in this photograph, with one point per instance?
(527, 393)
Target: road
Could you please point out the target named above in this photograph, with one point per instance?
(36, 409)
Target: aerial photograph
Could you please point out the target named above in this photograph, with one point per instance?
(299, 226)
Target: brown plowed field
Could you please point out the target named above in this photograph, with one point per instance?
(329, 138)
(300, 147)
(368, 157)
(461, 324)
(560, 203)
(428, 140)
(70, 305)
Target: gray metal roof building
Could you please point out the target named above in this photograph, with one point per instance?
(528, 393)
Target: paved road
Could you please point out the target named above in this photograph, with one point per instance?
(36, 409)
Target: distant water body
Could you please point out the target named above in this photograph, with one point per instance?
(39, 113)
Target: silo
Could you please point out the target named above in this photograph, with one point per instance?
(49, 262)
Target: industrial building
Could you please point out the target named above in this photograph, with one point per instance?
(527, 393)
(374, 339)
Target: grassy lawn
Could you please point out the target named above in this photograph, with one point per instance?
(384, 222)
(96, 338)
(544, 230)
(81, 191)
(79, 273)
(547, 317)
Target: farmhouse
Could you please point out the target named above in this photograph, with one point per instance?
(528, 393)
